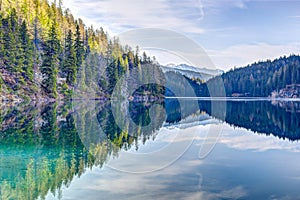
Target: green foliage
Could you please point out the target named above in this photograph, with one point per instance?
(10, 42)
(69, 66)
(49, 68)
(26, 52)
(258, 79)
(79, 48)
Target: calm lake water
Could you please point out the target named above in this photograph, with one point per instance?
(176, 149)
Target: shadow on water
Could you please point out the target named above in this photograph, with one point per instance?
(277, 118)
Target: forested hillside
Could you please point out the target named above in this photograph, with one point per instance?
(44, 50)
(257, 80)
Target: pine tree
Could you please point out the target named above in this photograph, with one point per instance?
(49, 67)
(79, 49)
(69, 67)
(26, 52)
(9, 42)
(112, 74)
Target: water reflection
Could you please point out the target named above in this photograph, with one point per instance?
(42, 149)
(278, 118)
(38, 152)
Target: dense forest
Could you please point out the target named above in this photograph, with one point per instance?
(44, 50)
(256, 80)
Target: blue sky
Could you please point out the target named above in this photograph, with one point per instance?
(232, 32)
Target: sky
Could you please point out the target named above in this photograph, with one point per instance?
(233, 33)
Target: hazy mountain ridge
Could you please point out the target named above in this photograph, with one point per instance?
(192, 72)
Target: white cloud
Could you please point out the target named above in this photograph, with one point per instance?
(225, 3)
(215, 7)
(162, 184)
(119, 16)
(244, 54)
(243, 139)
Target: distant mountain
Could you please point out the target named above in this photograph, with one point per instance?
(192, 72)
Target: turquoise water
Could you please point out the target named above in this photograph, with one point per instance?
(173, 150)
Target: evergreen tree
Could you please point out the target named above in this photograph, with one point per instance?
(50, 64)
(69, 67)
(78, 46)
(9, 42)
(112, 75)
(26, 53)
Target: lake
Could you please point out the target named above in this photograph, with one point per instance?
(175, 149)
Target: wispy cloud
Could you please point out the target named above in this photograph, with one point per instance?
(117, 15)
(220, 5)
(170, 14)
(243, 139)
(244, 54)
